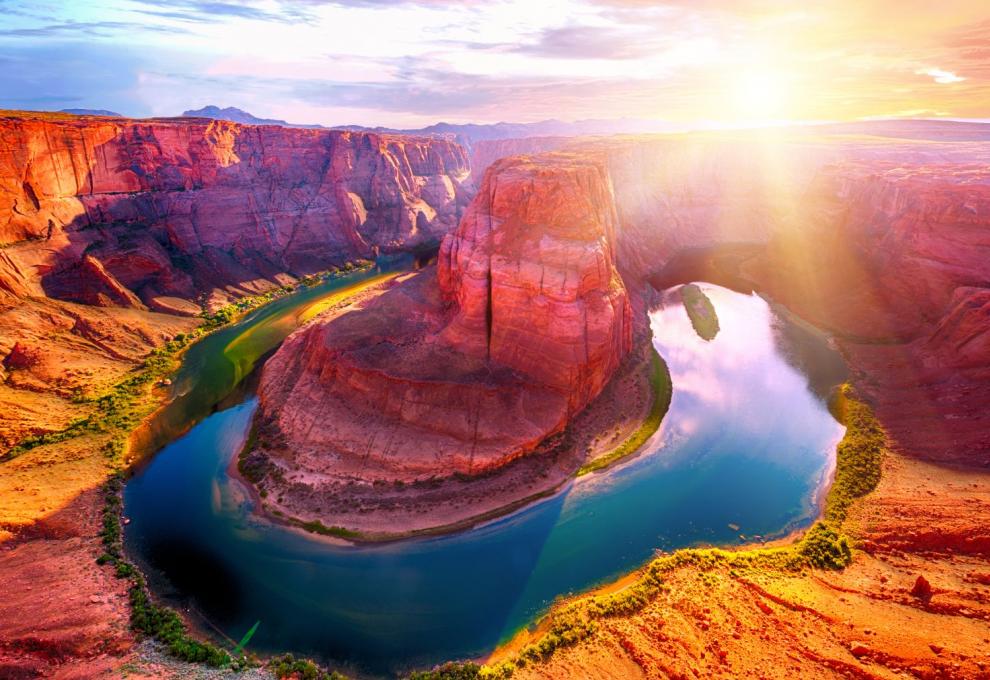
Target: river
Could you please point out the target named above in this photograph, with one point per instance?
(743, 452)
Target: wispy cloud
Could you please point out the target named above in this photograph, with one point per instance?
(595, 42)
(102, 29)
(940, 75)
(195, 11)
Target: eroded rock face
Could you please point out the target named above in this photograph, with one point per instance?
(466, 367)
(176, 207)
(895, 260)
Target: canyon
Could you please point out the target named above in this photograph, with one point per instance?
(113, 230)
(855, 237)
(125, 213)
(115, 234)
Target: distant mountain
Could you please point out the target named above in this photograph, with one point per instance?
(469, 133)
(92, 112)
(913, 128)
(235, 115)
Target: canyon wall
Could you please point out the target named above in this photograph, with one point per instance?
(126, 212)
(895, 260)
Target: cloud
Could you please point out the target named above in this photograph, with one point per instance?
(284, 11)
(593, 42)
(940, 75)
(204, 11)
(101, 29)
(403, 61)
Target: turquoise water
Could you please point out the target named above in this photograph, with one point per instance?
(746, 442)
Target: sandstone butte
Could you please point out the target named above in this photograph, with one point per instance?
(462, 368)
(883, 240)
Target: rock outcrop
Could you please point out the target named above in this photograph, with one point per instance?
(469, 366)
(120, 212)
(532, 272)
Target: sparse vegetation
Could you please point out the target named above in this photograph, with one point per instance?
(859, 458)
(317, 527)
(120, 409)
(453, 670)
(662, 389)
(147, 618)
(116, 413)
(700, 311)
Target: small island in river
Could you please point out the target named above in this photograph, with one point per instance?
(700, 310)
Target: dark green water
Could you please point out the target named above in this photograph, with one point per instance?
(214, 367)
(746, 442)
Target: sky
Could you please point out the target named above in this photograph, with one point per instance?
(407, 63)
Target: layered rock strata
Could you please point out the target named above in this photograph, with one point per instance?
(126, 212)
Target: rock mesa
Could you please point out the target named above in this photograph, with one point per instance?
(467, 366)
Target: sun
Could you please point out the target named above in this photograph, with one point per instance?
(759, 95)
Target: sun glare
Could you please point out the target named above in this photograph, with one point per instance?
(759, 95)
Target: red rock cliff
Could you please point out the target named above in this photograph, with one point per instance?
(532, 271)
(109, 211)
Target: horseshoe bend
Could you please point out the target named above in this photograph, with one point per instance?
(559, 401)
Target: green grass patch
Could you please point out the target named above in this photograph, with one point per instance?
(700, 311)
(662, 390)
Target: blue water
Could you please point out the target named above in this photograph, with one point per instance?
(745, 442)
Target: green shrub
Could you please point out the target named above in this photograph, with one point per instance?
(287, 666)
(824, 548)
(317, 527)
(164, 625)
(454, 670)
